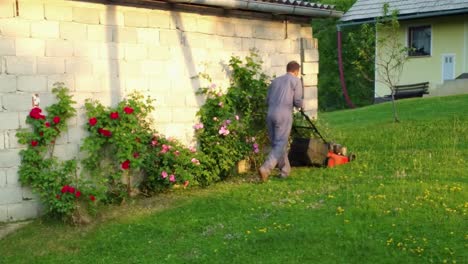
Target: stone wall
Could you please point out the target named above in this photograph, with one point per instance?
(106, 51)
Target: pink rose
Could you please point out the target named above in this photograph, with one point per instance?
(172, 178)
(164, 174)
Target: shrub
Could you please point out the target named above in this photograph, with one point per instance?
(232, 124)
(55, 181)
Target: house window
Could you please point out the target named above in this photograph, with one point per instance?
(419, 41)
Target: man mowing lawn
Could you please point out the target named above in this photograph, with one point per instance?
(283, 93)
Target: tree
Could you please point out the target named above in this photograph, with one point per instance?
(391, 53)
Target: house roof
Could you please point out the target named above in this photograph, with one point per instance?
(299, 3)
(368, 10)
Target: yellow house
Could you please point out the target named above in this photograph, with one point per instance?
(436, 31)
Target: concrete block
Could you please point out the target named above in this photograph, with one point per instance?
(108, 68)
(20, 65)
(111, 17)
(215, 42)
(125, 35)
(159, 86)
(160, 53)
(73, 31)
(59, 48)
(136, 19)
(7, 84)
(225, 29)
(310, 79)
(30, 47)
(310, 68)
(86, 15)
(233, 44)
(269, 31)
(111, 51)
(3, 213)
(310, 104)
(308, 43)
(306, 32)
(243, 30)
(187, 115)
(10, 195)
(23, 114)
(7, 47)
(9, 121)
(279, 59)
(11, 141)
(162, 116)
(206, 26)
(294, 31)
(87, 83)
(185, 22)
(3, 179)
(136, 84)
(66, 152)
(78, 66)
(28, 194)
(170, 38)
(33, 11)
(148, 36)
(13, 27)
(15, 103)
(7, 9)
(289, 46)
(154, 68)
(311, 55)
(100, 33)
(50, 65)
(12, 177)
(157, 19)
(85, 49)
(45, 29)
(130, 68)
(24, 210)
(265, 45)
(58, 13)
(248, 44)
(32, 83)
(76, 135)
(67, 79)
(10, 157)
(135, 52)
(310, 92)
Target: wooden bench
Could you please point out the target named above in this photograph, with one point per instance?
(410, 90)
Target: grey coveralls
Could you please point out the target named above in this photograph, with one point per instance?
(284, 93)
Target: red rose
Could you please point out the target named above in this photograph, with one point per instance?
(57, 196)
(128, 110)
(47, 124)
(65, 189)
(36, 113)
(186, 183)
(56, 120)
(34, 143)
(136, 155)
(92, 198)
(104, 132)
(92, 121)
(41, 134)
(78, 194)
(114, 115)
(71, 189)
(125, 165)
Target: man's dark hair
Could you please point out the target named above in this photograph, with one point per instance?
(292, 66)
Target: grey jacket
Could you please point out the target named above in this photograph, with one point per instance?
(284, 93)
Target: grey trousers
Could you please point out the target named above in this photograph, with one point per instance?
(279, 127)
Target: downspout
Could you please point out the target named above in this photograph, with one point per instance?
(340, 67)
(319, 11)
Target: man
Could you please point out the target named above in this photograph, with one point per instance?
(284, 93)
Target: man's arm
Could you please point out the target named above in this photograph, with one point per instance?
(298, 101)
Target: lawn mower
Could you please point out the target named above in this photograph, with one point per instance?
(315, 150)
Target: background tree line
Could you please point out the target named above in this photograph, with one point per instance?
(357, 42)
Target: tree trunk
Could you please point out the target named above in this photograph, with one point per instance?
(395, 114)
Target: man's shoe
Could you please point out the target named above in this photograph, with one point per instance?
(263, 174)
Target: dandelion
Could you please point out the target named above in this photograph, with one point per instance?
(339, 210)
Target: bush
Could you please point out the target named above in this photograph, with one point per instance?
(56, 182)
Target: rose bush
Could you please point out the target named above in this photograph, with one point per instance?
(43, 172)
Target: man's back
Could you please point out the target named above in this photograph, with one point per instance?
(284, 92)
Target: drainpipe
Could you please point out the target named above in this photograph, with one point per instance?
(340, 67)
(267, 7)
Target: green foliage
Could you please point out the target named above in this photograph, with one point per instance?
(40, 169)
(233, 123)
(118, 143)
(357, 41)
(403, 200)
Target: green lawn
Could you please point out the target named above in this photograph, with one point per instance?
(404, 200)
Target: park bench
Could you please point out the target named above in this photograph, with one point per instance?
(410, 90)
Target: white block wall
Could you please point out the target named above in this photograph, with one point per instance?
(105, 52)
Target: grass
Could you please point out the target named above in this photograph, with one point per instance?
(404, 200)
